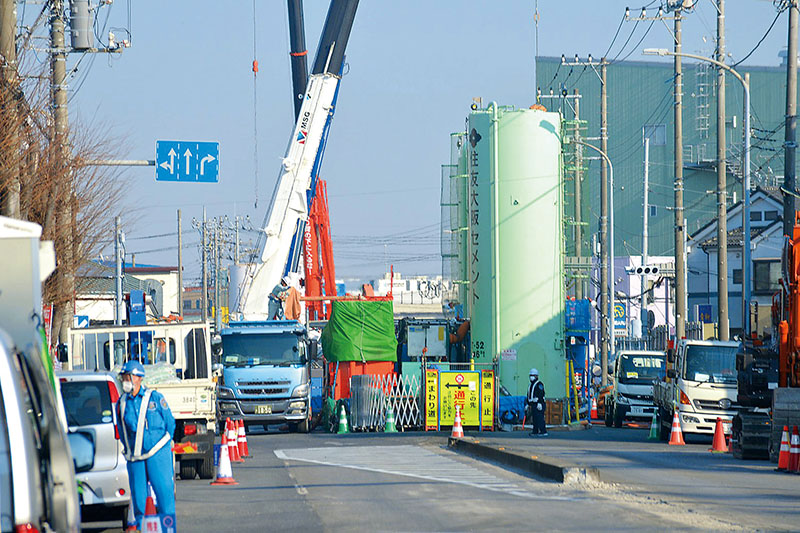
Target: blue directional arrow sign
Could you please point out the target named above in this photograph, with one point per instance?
(192, 161)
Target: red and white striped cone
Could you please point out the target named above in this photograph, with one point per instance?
(593, 413)
(233, 443)
(151, 523)
(783, 456)
(794, 451)
(242, 440)
(130, 525)
(458, 430)
(224, 470)
(676, 435)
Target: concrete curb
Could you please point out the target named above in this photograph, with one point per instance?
(538, 465)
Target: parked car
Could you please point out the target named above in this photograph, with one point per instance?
(38, 490)
(90, 401)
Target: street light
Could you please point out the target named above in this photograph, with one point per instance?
(610, 246)
(745, 180)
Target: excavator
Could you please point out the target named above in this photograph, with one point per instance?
(768, 368)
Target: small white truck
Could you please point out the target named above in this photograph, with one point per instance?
(177, 359)
(631, 397)
(700, 384)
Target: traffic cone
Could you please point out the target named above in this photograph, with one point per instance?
(676, 435)
(233, 443)
(224, 470)
(783, 457)
(458, 431)
(719, 445)
(343, 424)
(390, 424)
(794, 451)
(151, 523)
(593, 413)
(653, 428)
(130, 525)
(242, 441)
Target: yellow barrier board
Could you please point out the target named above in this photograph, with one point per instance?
(462, 389)
(431, 400)
(487, 399)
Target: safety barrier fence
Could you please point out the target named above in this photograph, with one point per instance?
(371, 395)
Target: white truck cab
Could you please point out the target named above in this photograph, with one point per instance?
(633, 374)
(700, 384)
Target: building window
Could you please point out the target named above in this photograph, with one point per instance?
(187, 304)
(197, 304)
(770, 215)
(766, 274)
(737, 276)
(657, 133)
(755, 216)
(653, 211)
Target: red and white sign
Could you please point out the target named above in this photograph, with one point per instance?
(47, 318)
(459, 378)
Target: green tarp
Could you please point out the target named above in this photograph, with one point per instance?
(360, 331)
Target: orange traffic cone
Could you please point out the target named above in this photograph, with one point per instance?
(151, 522)
(458, 431)
(676, 435)
(794, 451)
(783, 456)
(719, 445)
(233, 443)
(593, 414)
(224, 470)
(242, 440)
(130, 525)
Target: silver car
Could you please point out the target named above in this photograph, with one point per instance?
(90, 401)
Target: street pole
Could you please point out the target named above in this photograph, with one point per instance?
(8, 66)
(644, 227)
(204, 268)
(722, 223)
(119, 309)
(790, 138)
(578, 215)
(217, 292)
(746, 211)
(680, 228)
(605, 291)
(180, 265)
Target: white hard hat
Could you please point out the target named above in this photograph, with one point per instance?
(533, 372)
(286, 280)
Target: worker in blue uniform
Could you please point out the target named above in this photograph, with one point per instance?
(535, 403)
(146, 427)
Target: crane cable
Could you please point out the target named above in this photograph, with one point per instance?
(255, 111)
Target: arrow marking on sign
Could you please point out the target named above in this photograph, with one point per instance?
(207, 159)
(171, 165)
(187, 154)
(458, 385)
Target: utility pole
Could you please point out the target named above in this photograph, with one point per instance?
(606, 285)
(645, 201)
(180, 265)
(578, 201)
(680, 228)
(217, 292)
(722, 170)
(746, 268)
(790, 138)
(204, 259)
(8, 66)
(119, 309)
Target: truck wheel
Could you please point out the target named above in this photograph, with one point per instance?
(188, 468)
(303, 426)
(205, 467)
(618, 418)
(663, 430)
(607, 415)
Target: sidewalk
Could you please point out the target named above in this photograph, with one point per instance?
(726, 487)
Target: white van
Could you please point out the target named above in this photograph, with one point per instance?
(632, 394)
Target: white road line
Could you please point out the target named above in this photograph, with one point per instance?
(409, 461)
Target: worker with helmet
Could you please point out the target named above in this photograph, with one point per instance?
(277, 297)
(146, 425)
(534, 403)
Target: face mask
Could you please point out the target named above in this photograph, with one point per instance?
(127, 386)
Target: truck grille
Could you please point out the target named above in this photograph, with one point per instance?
(263, 387)
(712, 405)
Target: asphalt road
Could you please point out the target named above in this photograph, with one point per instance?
(412, 482)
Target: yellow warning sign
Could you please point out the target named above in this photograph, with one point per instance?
(431, 400)
(462, 389)
(487, 399)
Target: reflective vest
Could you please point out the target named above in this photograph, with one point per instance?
(135, 454)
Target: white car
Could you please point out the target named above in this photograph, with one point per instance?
(90, 401)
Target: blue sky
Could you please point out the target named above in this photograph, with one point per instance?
(414, 67)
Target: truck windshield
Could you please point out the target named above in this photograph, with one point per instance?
(711, 364)
(640, 369)
(260, 349)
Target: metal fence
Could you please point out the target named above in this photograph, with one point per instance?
(658, 338)
(371, 395)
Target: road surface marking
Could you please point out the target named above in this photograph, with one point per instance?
(410, 461)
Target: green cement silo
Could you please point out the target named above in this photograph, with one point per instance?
(515, 293)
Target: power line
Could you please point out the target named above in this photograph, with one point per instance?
(762, 37)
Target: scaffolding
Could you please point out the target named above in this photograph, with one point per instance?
(454, 225)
